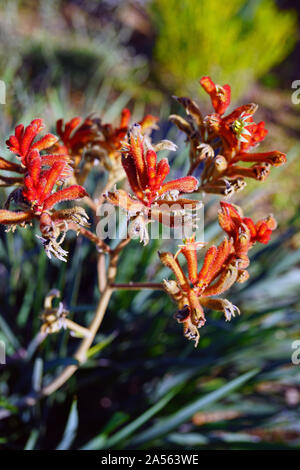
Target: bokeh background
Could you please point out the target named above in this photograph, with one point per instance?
(144, 385)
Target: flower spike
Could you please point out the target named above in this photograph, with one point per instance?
(22, 142)
(145, 175)
(219, 142)
(36, 191)
(220, 95)
(223, 265)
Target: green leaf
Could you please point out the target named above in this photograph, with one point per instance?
(98, 442)
(137, 423)
(101, 442)
(168, 424)
(101, 345)
(30, 444)
(71, 428)
(188, 439)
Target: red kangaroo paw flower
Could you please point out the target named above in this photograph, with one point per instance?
(190, 252)
(53, 176)
(65, 131)
(264, 229)
(130, 169)
(220, 95)
(187, 184)
(168, 260)
(197, 313)
(45, 142)
(148, 123)
(10, 166)
(274, 158)
(230, 136)
(22, 143)
(75, 135)
(137, 152)
(229, 218)
(49, 160)
(243, 230)
(66, 194)
(145, 175)
(263, 234)
(251, 226)
(11, 217)
(162, 171)
(215, 261)
(151, 160)
(246, 109)
(224, 251)
(206, 271)
(34, 167)
(227, 278)
(258, 172)
(125, 118)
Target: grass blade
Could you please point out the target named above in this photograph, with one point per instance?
(167, 425)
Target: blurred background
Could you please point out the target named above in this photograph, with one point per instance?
(144, 385)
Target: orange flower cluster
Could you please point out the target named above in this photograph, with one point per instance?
(218, 144)
(153, 197)
(36, 193)
(92, 141)
(223, 265)
(51, 170)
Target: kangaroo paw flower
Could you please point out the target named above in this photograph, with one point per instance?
(231, 137)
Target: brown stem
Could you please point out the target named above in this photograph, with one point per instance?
(87, 341)
(100, 244)
(80, 330)
(102, 280)
(85, 344)
(138, 286)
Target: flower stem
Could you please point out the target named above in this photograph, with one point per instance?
(138, 286)
(94, 326)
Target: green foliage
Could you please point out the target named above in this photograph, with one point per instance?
(56, 52)
(143, 381)
(235, 42)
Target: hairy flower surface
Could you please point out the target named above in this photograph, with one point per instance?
(91, 141)
(147, 176)
(153, 197)
(37, 191)
(24, 141)
(22, 144)
(221, 142)
(222, 266)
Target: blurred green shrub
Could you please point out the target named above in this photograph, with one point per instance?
(61, 44)
(236, 41)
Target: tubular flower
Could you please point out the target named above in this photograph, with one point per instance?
(22, 144)
(220, 143)
(24, 141)
(90, 142)
(222, 266)
(153, 197)
(219, 95)
(196, 292)
(37, 192)
(244, 232)
(145, 175)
